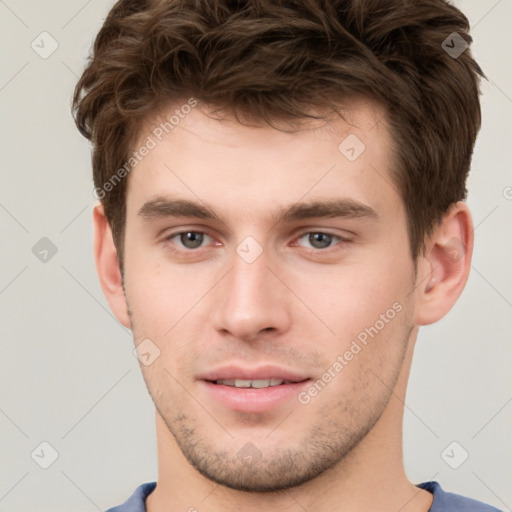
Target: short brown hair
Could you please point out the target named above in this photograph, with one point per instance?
(275, 60)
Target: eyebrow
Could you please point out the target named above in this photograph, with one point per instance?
(162, 207)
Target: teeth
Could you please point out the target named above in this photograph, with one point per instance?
(256, 383)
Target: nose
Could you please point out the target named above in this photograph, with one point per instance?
(252, 299)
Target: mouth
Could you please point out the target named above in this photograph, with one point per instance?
(254, 395)
(252, 390)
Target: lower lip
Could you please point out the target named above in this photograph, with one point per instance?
(253, 399)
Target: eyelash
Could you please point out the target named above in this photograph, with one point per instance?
(299, 236)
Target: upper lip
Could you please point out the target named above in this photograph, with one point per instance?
(258, 373)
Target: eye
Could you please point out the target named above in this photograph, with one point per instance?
(320, 240)
(188, 239)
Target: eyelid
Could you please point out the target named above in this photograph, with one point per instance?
(325, 231)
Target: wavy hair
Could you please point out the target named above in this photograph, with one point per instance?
(269, 61)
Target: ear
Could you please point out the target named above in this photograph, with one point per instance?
(107, 266)
(444, 268)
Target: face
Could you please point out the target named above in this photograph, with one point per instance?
(270, 273)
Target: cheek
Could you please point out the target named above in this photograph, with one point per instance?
(160, 294)
(368, 310)
(349, 299)
(363, 368)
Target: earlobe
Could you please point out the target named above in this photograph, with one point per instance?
(445, 266)
(107, 266)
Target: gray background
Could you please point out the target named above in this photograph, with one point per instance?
(67, 373)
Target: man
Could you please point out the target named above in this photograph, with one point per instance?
(281, 189)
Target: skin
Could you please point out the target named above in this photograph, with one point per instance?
(299, 305)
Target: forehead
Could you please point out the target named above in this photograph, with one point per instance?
(198, 155)
(216, 125)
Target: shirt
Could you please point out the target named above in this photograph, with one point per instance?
(443, 501)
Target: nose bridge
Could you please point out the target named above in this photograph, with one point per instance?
(249, 277)
(251, 296)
